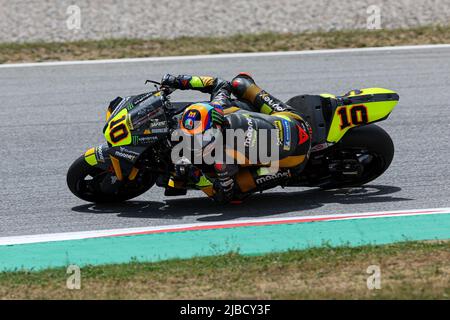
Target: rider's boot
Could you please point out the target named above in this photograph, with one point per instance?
(244, 87)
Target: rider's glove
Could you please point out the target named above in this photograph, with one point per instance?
(223, 191)
(170, 81)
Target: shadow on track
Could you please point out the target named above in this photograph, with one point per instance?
(259, 205)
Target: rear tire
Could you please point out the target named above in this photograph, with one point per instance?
(91, 190)
(371, 140)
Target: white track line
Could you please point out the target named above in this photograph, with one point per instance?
(223, 56)
(111, 232)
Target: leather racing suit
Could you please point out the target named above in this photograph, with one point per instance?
(244, 88)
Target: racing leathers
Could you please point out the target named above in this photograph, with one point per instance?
(245, 89)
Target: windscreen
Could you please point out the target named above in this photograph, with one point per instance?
(145, 107)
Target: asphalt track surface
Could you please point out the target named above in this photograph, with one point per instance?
(52, 114)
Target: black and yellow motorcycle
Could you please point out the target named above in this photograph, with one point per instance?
(347, 148)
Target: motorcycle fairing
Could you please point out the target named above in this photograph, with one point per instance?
(133, 123)
(118, 130)
(359, 107)
(136, 120)
(112, 106)
(121, 159)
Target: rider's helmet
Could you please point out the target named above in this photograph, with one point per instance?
(197, 122)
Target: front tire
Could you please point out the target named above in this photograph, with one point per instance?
(93, 184)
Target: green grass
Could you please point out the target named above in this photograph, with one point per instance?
(410, 270)
(121, 48)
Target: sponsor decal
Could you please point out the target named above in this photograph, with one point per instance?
(280, 132)
(277, 176)
(144, 97)
(279, 108)
(270, 102)
(190, 118)
(122, 149)
(250, 136)
(125, 155)
(157, 124)
(136, 140)
(302, 135)
(129, 106)
(287, 135)
(149, 139)
(159, 130)
(99, 154)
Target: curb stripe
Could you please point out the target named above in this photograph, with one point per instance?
(265, 223)
(208, 226)
(252, 240)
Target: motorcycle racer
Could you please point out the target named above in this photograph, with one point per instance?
(244, 88)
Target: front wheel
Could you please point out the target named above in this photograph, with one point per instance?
(93, 184)
(362, 155)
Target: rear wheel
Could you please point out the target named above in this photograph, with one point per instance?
(96, 185)
(362, 155)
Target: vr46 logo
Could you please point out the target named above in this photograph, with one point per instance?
(352, 116)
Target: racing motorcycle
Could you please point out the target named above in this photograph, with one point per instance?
(348, 150)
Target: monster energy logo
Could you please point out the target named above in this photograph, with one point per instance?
(135, 140)
(129, 106)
